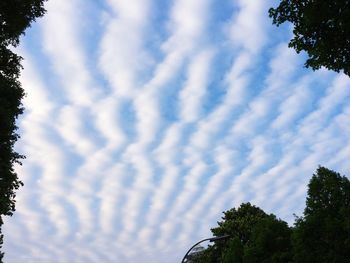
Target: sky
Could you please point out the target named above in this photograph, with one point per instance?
(146, 119)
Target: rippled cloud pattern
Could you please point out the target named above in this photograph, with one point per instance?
(146, 119)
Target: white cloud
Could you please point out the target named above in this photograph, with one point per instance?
(122, 54)
(247, 31)
(191, 96)
(63, 45)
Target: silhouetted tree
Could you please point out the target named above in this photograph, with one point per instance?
(15, 17)
(321, 28)
(270, 242)
(255, 237)
(323, 233)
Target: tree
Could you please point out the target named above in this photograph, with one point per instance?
(323, 233)
(321, 28)
(270, 242)
(15, 17)
(255, 237)
(234, 251)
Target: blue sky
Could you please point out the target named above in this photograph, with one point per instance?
(146, 119)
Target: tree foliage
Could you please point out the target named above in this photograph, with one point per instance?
(270, 242)
(321, 28)
(15, 17)
(321, 235)
(255, 237)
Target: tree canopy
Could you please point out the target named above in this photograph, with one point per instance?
(15, 17)
(321, 235)
(321, 28)
(255, 237)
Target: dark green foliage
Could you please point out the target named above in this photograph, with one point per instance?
(255, 237)
(323, 233)
(270, 242)
(15, 17)
(239, 222)
(321, 28)
(234, 251)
